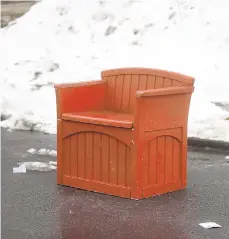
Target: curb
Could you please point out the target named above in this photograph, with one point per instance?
(207, 143)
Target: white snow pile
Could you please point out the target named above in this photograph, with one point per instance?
(35, 166)
(71, 41)
(47, 152)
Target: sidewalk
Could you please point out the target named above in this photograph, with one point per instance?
(33, 206)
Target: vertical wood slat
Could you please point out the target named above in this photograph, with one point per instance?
(66, 156)
(73, 156)
(168, 160)
(145, 160)
(152, 148)
(126, 93)
(89, 155)
(105, 158)
(159, 82)
(113, 161)
(142, 82)
(111, 88)
(81, 155)
(161, 160)
(121, 159)
(128, 167)
(150, 82)
(167, 82)
(176, 161)
(133, 90)
(97, 156)
(119, 92)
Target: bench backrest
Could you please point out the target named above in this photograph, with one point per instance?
(125, 82)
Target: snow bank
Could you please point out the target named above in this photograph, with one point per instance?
(70, 41)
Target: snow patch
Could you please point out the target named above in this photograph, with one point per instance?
(53, 163)
(38, 166)
(43, 151)
(32, 151)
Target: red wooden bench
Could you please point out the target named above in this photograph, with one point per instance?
(126, 134)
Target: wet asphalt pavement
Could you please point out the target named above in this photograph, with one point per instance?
(33, 206)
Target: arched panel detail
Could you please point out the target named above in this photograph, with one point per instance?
(161, 159)
(149, 72)
(153, 137)
(97, 157)
(98, 132)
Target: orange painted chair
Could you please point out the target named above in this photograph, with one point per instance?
(124, 135)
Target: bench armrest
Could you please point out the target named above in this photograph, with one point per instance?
(165, 91)
(78, 97)
(163, 108)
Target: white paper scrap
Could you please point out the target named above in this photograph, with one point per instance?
(209, 225)
(20, 169)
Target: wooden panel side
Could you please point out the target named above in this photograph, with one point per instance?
(162, 160)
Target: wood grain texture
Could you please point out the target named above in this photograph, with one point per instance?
(97, 157)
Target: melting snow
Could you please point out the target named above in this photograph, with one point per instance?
(39, 166)
(43, 152)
